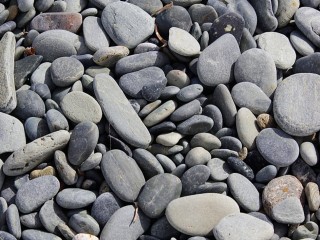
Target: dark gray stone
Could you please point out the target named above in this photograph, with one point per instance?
(36, 192)
(303, 172)
(215, 114)
(32, 234)
(116, 163)
(74, 198)
(164, 127)
(212, 187)
(157, 193)
(148, 163)
(247, 41)
(201, 13)
(308, 64)
(265, 14)
(167, 164)
(161, 229)
(193, 178)
(215, 64)
(190, 92)
(84, 223)
(42, 90)
(266, 174)
(241, 167)
(231, 143)
(150, 6)
(121, 226)
(56, 121)
(83, 141)
(195, 124)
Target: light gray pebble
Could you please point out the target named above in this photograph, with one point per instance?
(19, 181)
(190, 92)
(67, 174)
(74, 198)
(13, 221)
(219, 169)
(266, 174)
(206, 140)
(75, 5)
(167, 164)
(145, 47)
(56, 121)
(32, 234)
(3, 209)
(197, 156)
(109, 56)
(36, 128)
(91, 162)
(309, 153)
(25, 5)
(84, 223)
(301, 43)
(31, 220)
(178, 78)
(231, 143)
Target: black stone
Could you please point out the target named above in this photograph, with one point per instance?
(193, 178)
(164, 127)
(241, 167)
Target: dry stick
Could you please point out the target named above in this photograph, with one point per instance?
(161, 39)
(162, 9)
(135, 215)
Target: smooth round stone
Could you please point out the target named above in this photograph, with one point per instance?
(223, 100)
(166, 162)
(25, 5)
(307, 21)
(303, 172)
(29, 104)
(117, 21)
(83, 141)
(75, 5)
(164, 127)
(206, 140)
(247, 41)
(308, 64)
(249, 95)
(34, 193)
(212, 187)
(231, 143)
(241, 167)
(182, 42)
(266, 174)
(285, 57)
(235, 226)
(145, 47)
(313, 196)
(244, 192)
(67, 174)
(65, 231)
(74, 198)
(58, 6)
(43, 6)
(197, 156)
(277, 147)
(12, 134)
(140, 61)
(91, 162)
(247, 128)
(42, 90)
(51, 215)
(257, 66)
(190, 92)
(94, 35)
(169, 139)
(281, 200)
(31, 220)
(32, 234)
(161, 229)
(121, 226)
(266, 15)
(200, 220)
(292, 91)
(229, 22)
(301, 43)
(104, 207)
(307, 231)
(82, 222)
(148, 163)
(186, 111)
(42, 75)
(79, 107)
(157, 193)
(195, 124)
(116, 163)
(214, 112)
(194, 177)
(219, 169)
(178, 78)
(309, 153)
(133, 83)
(215, 64)
(201, 13)
(56, 121)
(109, 56)
(285, 12)
(150, 6)
(160, 113)
(84, 236)
(13, 221)
(175, 16)
(65, 71)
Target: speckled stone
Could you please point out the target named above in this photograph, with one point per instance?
(161, 113)
(109, 56)
(313, 196)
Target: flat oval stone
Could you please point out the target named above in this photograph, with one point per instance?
(186, 111)
(257, 66)
(27, 158)
(247, 128)
(195, 124)
(244, 192)
(309, 153)
(289, 104)
(32, 234)
(178, 79)
(241, 167)
(166, 162)
(7, 236)
(109, 56)
(219, 169)
(182, 42)
(116, 163)
(169, 139)
(266, 15)
(157, 193)
(36, 192)
(266, 174)
(308, 64)
(194, 177)
(160, 113)
(133, 83)
(83, 141)
(104, 207)
(277, 147)
(197, 156)
(65, 71)
(56, 121)
(74, 198)
(285, 57)
(13, 221)
(301, 43)
(199, 221)
(117, 21)
(119, 112)
(148, 163)
(149, 6)
(235, 226)
(67, 174)
(190, 92)
(206, 140)
(140, 61)
(31, 220)
(83, 222)
(215, 114)
(215, 64)
(231, 143)
(120, 225)
(249, 95)
(12, 135)
(94, 35)
(307, 20)
(49, 21)
(313, 196)
(281, 200)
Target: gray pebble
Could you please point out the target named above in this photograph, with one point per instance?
(194, 177)
(265, 14)
(146, 47)
(58, 6)
(109, 56)
(190, 92)
(247, 41)
(91, 162)
(231, 143)
(266, 174)
(36, 192)
(161, 229)
(56, 121)
(32, 234)
(84, 223)
(42, 90)
(25, 5)
(223, 153)
(31, 220)
(75, 5)
(148, 163)
(309, 153)
(167, 164)
(13, 221)
(195, 124)
(36, 128)
(206, 140)
(219, 169)
(43, 6)
(3, 209)
(201, 13)
(7, 236)
(307, 64)
(215, 114)
(74, 198)
(178, 78)
(42, 75)
(197, 156)
(301, 43)
(67, 174)
(160, 113)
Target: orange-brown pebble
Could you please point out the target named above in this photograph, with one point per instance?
(243, 153)
(43, 172)
(265, 120)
